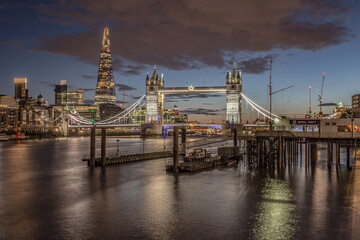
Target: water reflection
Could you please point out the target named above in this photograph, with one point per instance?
(276, 217)
(47, 192)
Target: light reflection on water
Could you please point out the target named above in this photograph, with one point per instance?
(276, 217)
(47, 192)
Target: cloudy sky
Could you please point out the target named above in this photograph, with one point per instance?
(191, 42)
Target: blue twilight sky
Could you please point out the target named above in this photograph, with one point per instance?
(191, 42)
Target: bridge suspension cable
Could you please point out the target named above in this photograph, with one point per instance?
(138, 104)
(258, 108)
(121, 117)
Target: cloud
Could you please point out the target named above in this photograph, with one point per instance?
(16, 43)
(49, 84)
(135, 97)
(203, 111)
(121, 102)
(124, 87)
(256, 65)
(191, 34)
(88, 77)
(89, 101)
(88, 89)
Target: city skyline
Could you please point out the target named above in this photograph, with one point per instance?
(308, 39)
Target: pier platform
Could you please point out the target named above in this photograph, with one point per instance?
(112, 160)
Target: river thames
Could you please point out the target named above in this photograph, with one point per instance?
(47, 192)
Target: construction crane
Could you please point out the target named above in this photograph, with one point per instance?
(320, 94)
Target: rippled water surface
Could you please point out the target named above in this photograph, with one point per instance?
(47, 192)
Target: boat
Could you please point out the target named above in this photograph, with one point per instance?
(197, 154)
(197, 160)
(4, 137)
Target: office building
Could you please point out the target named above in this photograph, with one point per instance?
(8, 114)
(60, 93)
(21, 91)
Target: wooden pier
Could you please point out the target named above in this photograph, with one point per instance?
(278, 149)
(112, 160)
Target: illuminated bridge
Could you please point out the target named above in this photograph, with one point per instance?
(153, 102)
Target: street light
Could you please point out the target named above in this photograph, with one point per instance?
(117, 143)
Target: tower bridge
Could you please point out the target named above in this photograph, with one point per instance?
(153, 103)
(156, 91)
(153, 100)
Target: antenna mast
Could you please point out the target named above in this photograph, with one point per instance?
(309, 101)
(270, 93)
(320, 94)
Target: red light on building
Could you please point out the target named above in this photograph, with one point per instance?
(310, 87)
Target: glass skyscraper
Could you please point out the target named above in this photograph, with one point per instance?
(105, 88)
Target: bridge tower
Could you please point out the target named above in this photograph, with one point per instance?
(233, 96)
(154, 99)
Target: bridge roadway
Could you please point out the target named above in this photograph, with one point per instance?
(139, 125)
(187, 90)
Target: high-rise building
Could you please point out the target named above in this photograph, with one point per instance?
(8, 113)
(60, 93)
(105, 91)
(75, 97)
(21, 90)
(65, 96)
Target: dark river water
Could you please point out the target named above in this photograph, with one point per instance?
(47, 192)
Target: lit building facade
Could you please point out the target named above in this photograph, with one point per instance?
(355, 103)
(105, 88)
(139, 116)
(60, 93)
(65, 96)
(75, 97)
(8, 114)
(21, 90)
(36, 116)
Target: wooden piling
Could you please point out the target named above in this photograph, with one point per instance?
(328, 154)
(235, 138)
(301, 151)
(314, 153)
(176, 149)
(348, 157)
(103, 147)
(337, 153)
(306, 153)
(92, 147)
(258, 148)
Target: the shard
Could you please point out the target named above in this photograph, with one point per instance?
(105, 91)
